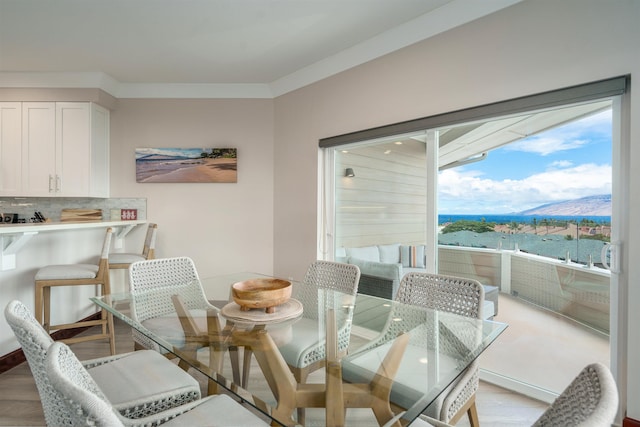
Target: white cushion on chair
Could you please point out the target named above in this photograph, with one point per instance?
(220, 410)
(67, 271)
(170, 328)
(125, 258)
(305, 337)
(145, 373)
(410, 383)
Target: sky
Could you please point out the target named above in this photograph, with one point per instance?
(564, 163)
(177, 152)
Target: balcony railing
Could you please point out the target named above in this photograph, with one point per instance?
(574, 290)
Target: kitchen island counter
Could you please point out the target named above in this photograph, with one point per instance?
(13, 237)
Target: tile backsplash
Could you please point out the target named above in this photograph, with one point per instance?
(51, 207)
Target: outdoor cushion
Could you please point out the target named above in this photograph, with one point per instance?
(412, 256)
(366, 253)
(391, 271)
(389, 253)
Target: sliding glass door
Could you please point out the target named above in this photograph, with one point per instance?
(529, 210)
(470, 194)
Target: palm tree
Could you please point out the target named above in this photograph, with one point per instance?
(545, 222)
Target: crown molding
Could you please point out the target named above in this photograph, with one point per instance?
(199, 90)
(99, 80)
(82, 80)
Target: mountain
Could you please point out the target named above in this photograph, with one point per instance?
(161, 157)
(588, 206)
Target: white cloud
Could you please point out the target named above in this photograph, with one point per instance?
(545, 145)
(566, 137)
(474, 192)
(469, 192)
(560, 164)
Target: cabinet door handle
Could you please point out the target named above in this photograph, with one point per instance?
(50, 183)
(57, 183)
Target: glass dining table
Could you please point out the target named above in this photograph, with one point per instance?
(385, 362)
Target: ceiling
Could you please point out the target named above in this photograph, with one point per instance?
(469, 142)
(210, 48)
(465, 143)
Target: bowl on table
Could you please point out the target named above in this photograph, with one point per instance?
(261, 293)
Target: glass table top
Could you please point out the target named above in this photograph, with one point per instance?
(374, 357)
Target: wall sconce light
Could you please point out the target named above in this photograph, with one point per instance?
(349, 173)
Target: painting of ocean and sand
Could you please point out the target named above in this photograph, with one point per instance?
(186, 165)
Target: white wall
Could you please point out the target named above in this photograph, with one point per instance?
(224, 227)
(54, 247)
(395, 183)
(531, 47)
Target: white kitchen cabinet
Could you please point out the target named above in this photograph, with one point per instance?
(100, 148)
(38, 148)
(10, 148)
(82, 150)
(64, 150)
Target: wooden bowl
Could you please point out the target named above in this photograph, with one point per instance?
(261, 293)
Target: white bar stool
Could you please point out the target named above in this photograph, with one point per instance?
(76, 275)
(121, 261)
(124, 260)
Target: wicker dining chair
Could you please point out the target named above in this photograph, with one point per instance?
(443, 293)
(421, 421)
(306, 352)
(460, 296)
(153, 283)
(75, 399)
(137, 384)
(184, 322)
(590, 400)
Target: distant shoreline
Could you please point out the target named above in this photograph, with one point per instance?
(521, 219)
(196, 170)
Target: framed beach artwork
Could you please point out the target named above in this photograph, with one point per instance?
(186, 165)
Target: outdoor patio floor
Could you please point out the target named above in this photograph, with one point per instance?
(541, 347)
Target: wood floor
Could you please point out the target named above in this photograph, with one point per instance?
(20, 402)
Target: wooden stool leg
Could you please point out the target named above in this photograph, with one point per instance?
(107, 327)
(39, 307)
(112, 338)
(472, 413)
(103, 313)
(47, 308)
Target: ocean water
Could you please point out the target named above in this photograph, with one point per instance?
(521, 219)
(149, 168)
